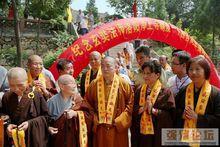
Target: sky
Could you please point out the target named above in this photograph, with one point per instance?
(102, 5)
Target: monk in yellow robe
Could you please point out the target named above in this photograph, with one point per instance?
(38, 78)
(111, 99)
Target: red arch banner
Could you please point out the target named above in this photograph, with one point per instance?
(116, 32)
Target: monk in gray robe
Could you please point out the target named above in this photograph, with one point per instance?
(66, 110)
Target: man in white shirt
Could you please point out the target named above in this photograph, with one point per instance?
(178, 65)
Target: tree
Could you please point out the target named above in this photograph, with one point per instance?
(180, 10)
(160, 9)
(17, 32)
(207, 20)
(123, 6)
(150, 8)
(156, 9)
(47, 9)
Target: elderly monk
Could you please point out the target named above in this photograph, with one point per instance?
(27, 110)
(69, 111)
(93, 73)
(164, 62)
(38, 79)
(111, 99)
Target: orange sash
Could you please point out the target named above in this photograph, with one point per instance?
(88, 74)
(41, 78)
(106, 114)
(18, 138)
(200, 106)
(167, 67)
(146, 123)
(83, 138)
(1, 133)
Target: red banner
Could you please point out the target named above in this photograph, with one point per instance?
(123, 30)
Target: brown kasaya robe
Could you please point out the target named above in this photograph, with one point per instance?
(32, 110)
(165, 103)
(68, 129)
(115, 135)
(83, 80)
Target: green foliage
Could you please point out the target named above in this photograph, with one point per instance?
(180, 9)
(5, 5)
(61, 40)
(207, 12)
(150, 8)
(10, 57)
(122, 6)
(59, 23)
(160, 9)
(47, 9)
(51, 57)
(167, 51)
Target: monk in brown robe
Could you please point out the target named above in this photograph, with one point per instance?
(111, 99)
(37, 78)
(27, 110)
(66, 109)
(153, 108)
(91, 74)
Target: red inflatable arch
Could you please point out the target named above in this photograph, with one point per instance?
(116, 32)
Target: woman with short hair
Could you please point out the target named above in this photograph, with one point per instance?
(198, 104)
(153, 108)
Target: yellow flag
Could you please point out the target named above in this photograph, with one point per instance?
(69, 13)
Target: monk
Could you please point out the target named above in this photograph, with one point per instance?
(91, 74)
(38, 79)
(71, 120)
(111, 99)
(164, 62)
(26, 108)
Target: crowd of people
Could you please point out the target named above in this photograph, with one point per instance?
(112, 101)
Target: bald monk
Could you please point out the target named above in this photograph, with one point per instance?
(91, 74)
(164, 62)
(111, 99)
(38, 79)
(70, 114)
(25, 112)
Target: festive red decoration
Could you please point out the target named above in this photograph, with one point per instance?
(134, 8)
(11, 12)
(123, 30)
